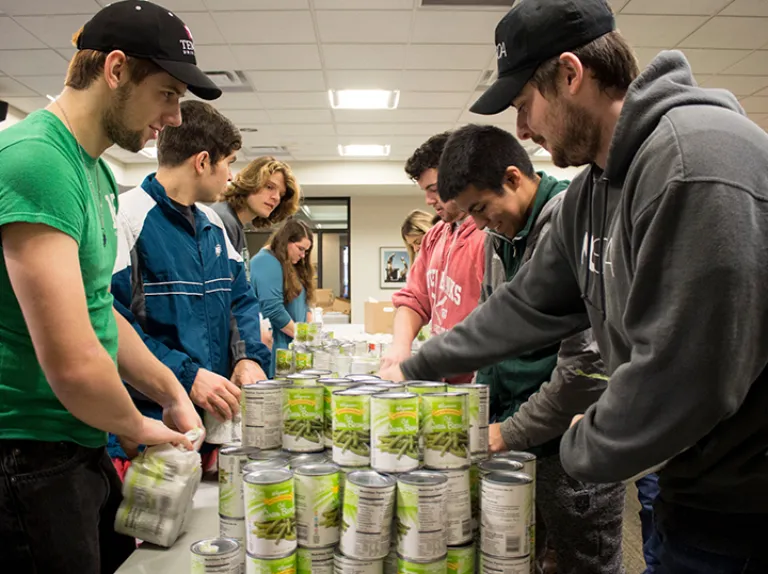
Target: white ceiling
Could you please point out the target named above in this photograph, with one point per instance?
(293, 51)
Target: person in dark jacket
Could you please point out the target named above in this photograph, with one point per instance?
(178, 279)
(660, 245)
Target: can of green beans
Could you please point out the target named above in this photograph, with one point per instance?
(303, 418)
(496, 565)
(461, 559)
(283, 362)
(527, 459)
(297, 460)
(302, 358)
(302, 379)
(279, 565)
(506, 514)
(270, 513)
(319, 373)
(499, 464)
(395, 431)
(318, 508)
(345, 565)
(408, 566)
(423, 387)
(219, 555)
(232, 528)
(302, 332)
(271, 464)
(369, 500)
(459, 514)
(351, 421)
(315, 560)
(445, 424)
(362, 378)
(384, 386)
(421, 510)
(231, 463)
(478, 416)
(263, 414)
(330, 385)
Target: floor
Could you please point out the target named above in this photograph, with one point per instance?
(633, 540)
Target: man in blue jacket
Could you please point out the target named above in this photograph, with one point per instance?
(177, 277)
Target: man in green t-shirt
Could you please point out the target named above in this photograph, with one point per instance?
(63, 349)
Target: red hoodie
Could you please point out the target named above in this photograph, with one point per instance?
(445, 281)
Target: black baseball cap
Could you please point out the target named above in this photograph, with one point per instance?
(145, 30)
(533, 32)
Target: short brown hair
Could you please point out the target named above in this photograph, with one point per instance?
(203, 128)
(87, 65)
(252, 178)
(609, 58)
(427, 156)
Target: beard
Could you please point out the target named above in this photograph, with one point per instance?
(580, 136)
(114, 122)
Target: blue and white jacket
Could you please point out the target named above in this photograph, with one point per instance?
(186, 293)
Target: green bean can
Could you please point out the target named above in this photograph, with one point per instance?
(369, 501)
(231, 462)
(395, 432)
(478, 417)
(351, 420)
(280, 565)
(302, 379)
(315, 560)
(361, 378)
(421, 511)
(303, 358)
(270, 513)
(408, 566)
(345, 565)
(318, 508)
(283, 362)
(302, 332)
(507, 514)
(303, 418)
(220, 555)
(423, 387)
(330, 385)
(461, 559)
(320, 373)
(446, 430)
(459, 516)
(495, 565)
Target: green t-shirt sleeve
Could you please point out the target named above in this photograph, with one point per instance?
(39, 185)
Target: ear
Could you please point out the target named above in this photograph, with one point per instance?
(116, 69)
(572, 71)
(513, 179)
(201, 161)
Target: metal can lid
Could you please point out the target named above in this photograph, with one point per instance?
(270, 476)
(362, 377)
(426, 562)
(339, 557)
(335, 381)
(504, 477)
(307, 458)
(425, 384)
(447, 394)
(422, 477)
(267, 455)
(518, 455)
(301, 377)
(500, 464)
(318, 372)
(270, 464)
(239, 450)
(371, 479)
(468, 386)
(356, 391)
(262, 385)
(271, 558)
(393, 395)
(318, 469)
(214, 546)
(463, 548)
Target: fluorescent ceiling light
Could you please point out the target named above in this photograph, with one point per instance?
(50, 97)
(364, 99)
(357, 150)
(541, 152)
(150, 152)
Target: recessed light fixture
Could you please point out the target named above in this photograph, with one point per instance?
(50, 97)
(150, 152)
(541, 152)
(366, 150)
(364, 99)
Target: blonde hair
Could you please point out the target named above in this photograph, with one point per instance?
(302, 273)
(417, 223)
(253, 178)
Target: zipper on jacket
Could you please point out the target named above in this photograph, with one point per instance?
(205, 301)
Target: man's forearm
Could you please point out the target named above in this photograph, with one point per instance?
(141, 369)
(407, 325)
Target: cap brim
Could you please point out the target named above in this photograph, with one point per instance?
(197, 82)
(502, 92)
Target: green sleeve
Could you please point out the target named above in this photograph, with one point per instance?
(39, 185)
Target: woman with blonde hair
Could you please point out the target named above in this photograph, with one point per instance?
(414, 229)
(282, 275)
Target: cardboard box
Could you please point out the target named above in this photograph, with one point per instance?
(341, 306)
(379, 317)
(324, 298)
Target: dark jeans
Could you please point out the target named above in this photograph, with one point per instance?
(57, 509)
(647, 491)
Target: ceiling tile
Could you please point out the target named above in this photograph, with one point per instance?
(349, 26)
(763, 93)
(301, 116)
(713, 61)
(364, 79)
(235, 101)
(448, 57)
(739, 85)
(658, 31)
(26, 105)
(222, 5)
(456, 27)
(175, 5)
(646, 55)
(32, 62)
(364, 56)
(275, 27)
(303, 129)
(214, 57)
(756, 64)
(203, 28)
(67, 53)
(395, 116)
(41, 7)
(680, 7)
(247, 117)
(44, 84)
(277, 57)
(755, 105)
(14, 37)
(10, 88)
(725, 32)
(747, 8)
(294, 100)
(617, 5)
(506, 119)
(433, 100)
(439, 81)
(363, 4)
(423, 130)
(308, 81)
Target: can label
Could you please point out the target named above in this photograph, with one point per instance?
(446, 430)
(478, 416)
(366, 521)
(303, 418)
(421, 510)
(395, 433)
(232, 528)
(495, 565)
(303, 360)
(220, 563)
(506, 517)
(318, 510)
(263, 416)
(216, 431)
(315, 561)
(271, 518)
(459, 523)
(283, 362)
(281, 565)
(346, 565)
(461, 559)
(474, 497)
(351, 429)
(405, 566)
(231, 484)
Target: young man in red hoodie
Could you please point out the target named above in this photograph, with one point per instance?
(445, 280)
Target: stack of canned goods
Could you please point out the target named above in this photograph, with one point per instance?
(232, 461)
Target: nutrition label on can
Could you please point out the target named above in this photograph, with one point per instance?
(505, 519)
(264, 408)
(459, 526)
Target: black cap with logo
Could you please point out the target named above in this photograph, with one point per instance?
(145, 30)
(533, 32)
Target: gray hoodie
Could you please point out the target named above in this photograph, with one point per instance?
(665, 254)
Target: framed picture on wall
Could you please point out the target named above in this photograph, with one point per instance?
(393, 267)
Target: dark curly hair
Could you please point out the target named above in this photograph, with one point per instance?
(427, 156)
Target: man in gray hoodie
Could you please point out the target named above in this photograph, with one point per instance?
(661, 245)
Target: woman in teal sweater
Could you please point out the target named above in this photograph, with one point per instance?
(282, 275)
